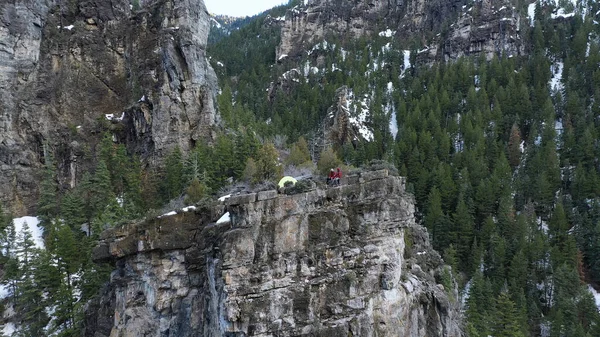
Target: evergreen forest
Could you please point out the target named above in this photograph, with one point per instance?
(501, 154)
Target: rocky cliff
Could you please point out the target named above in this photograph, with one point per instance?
(447, 29)
(344, 261)
(72, 69)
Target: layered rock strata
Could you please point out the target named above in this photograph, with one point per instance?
(448, 29)
(345, 261)
(71, 69)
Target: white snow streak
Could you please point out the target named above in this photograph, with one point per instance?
(225, 218)
(531, 14)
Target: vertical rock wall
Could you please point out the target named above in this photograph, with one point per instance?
(65, 65)
(346, 261)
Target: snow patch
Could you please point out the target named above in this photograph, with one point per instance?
(225, 218)
(522, 146)
(282, 57)
(596, 296)
(223, 198)
(531, 14)
(111, 117)
(8, 329)
(406, 62)
(167, 214)
(31, 224)
(217, 24)
(359, 119)
(387, 33)
(555, 82)
(189, 208)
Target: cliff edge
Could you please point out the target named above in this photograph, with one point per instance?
(345, 261)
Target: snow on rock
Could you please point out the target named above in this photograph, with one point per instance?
(561, 14)
(307, 69)
(522, 146)
(69, 27)
(8, 329)
(387, 33)
(189, 208)
(217, 24)
(406, 62)
(225, 218)
(223, 198)
(111, 117)
(555, 82)
(531, 14)
(282, 57)
(558, 127)
(359, 118)
(31, 224)
(167, 214)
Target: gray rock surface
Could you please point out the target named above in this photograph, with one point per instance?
(64, 65)
(448, 28)
(346, 261)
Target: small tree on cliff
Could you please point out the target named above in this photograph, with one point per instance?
(267, 163)
(328, 160)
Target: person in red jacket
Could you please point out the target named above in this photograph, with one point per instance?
(330, 177)
(337, 177)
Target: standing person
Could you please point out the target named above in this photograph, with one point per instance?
(330, 177)
(338, 176)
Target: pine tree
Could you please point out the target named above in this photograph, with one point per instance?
(328, 160)
(100, 189)
(173, 182)
(506, 317)
(299, 153)
(514, 146)
(267, 163)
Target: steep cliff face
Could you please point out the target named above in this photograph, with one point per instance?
(449, 28)
(346, 261)
(71, 69)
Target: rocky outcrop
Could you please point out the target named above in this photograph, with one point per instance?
(345, 261)
(66, 65)
(343, 124)
(449, 28)
(486, 27)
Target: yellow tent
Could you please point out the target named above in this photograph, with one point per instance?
(286, 179)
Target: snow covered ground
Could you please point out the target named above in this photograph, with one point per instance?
(31, 224)
(556, 80)
(8, 329)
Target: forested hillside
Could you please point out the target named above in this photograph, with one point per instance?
(501, 155)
